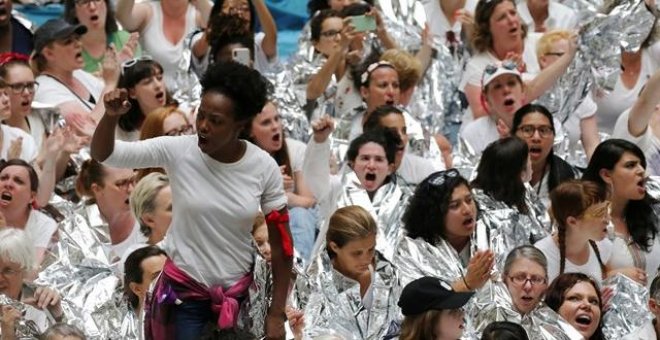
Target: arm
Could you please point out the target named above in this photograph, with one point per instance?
(425, 53)
(269, 44)
(302, 196)
(131, 16)
(201, 45)
(281, 264)
(381, 31)
(589, 134)
(9, 316)
(478, 272)
(644, 107)
(336, 62)
(316, 167)
(103, 141)
(549, 76)
(203, 11)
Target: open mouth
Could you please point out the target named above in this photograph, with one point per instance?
(370, 177)
(79, 55)
(389, 102)
(127, 201)
(277, 137)
(202, 140)
(94, 18)
(5, 196)
(513, 30)
(584, 320)
(509, 102)
(527, 299)
(3, 10)
(535, 150)
(468, 222)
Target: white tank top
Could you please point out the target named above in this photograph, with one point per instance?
(162, 50)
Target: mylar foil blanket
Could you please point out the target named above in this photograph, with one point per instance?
(254, 309)
(416, 258)
(333, 305)
(493, 303)
(628, 309)
(598, 59)
(289, 105)
(32, 324)
(81, 270)
(501, 228)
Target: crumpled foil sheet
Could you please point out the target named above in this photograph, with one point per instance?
(186, 88)
(289, 105)
(81, 270)
(50, 116)
(628, 307)
(652, 185)
(416, 258)
(386, 207)
(254, 309)
(493, 303)
(25, 328)
(333, 305)
(502, 228)
(598, 59)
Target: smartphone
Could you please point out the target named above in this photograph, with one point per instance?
(241, 55)
(363, 23)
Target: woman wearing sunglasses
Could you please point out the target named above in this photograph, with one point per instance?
(102, 33)
(143, 78)
(439, 222)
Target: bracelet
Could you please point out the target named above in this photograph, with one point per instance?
(466, 284)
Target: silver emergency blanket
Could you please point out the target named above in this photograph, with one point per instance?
(289, 106)
(333, 305)
(416, 258)
(652, 185)
(502, 228)
(628, 309)
(386, 207)
(598, 59)
(493, 303)
(81, 270)
(187, 88)
(254, 309)
(28, 326)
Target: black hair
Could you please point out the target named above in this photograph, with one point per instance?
(316, 25)
(358, 8)
(246, 88)
(130, 77)
(425, 215)
(357, 71)
(226, 30)
(32, 174)
(110, 20)
(555, 296)
(389, 140)
(639, 214)
(553, 176)
(498, 172)
(314, 6)
(217, 9)
(133, 270)
(373, 119)
(504, 330)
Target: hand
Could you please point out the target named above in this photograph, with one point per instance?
(55, 142)
(516, 58)
(73, 142)
(348, 33)
(354, 57)
(82, 123)
(289, 185)
(502, 129)
(116, 102)
(606, 295)
(633, 273)
(128, 50)
(464, 16)
(296, 321)
(323, 128)
(479, 268)
(275, 326)
(9, 315)
(15, 148)
(111, 68)
(46, 298)
(380, 24)
(427, 36)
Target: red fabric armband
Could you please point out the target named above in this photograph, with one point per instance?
(280, 221)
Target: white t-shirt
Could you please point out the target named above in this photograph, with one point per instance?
(414, 169)
(439, 23)
(9, 134)
(40, 227)
(53, 92)
(622, 257)
(214, 203)
(592, 267)
(621, 98)
(572, 127)
(136, 237)
(559, 16)
(154, 43)
(296, 150)
(480, 132)
(37, 128)
(648, 142)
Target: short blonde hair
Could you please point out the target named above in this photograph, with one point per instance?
(544, 45)
(348, 224)
(16, 246)
(406, 65)
(143, 197)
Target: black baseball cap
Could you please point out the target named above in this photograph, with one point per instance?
(55, 29)
(430, 293)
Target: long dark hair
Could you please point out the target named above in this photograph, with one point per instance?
(425, 215)
(217, 9)
(281, 156)
(553, 175)
(639, 215)
(556, 294)
(499, 170)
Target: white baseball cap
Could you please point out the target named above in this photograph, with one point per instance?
(495, 70)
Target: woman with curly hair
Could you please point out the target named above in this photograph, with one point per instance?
(218, 182)
(440, 219)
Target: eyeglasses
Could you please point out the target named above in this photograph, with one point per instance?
(184, 130)
(85, 2)
(18, 88)
(439, 178)
(522, 279)
(507, 65)
(365, 76)
(556, 54)
(528, 131)
(330, 33)
(131, 62)
(8, 272)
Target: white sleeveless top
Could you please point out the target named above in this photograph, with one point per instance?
(154, 43)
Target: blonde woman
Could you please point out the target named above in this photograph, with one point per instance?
(151, 204)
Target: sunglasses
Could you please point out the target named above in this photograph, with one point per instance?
(439, 178)
(132, 62)
(507, 65)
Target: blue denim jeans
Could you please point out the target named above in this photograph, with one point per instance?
(191, 318)
(302, 222)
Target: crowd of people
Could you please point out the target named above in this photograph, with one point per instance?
(158, 181)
